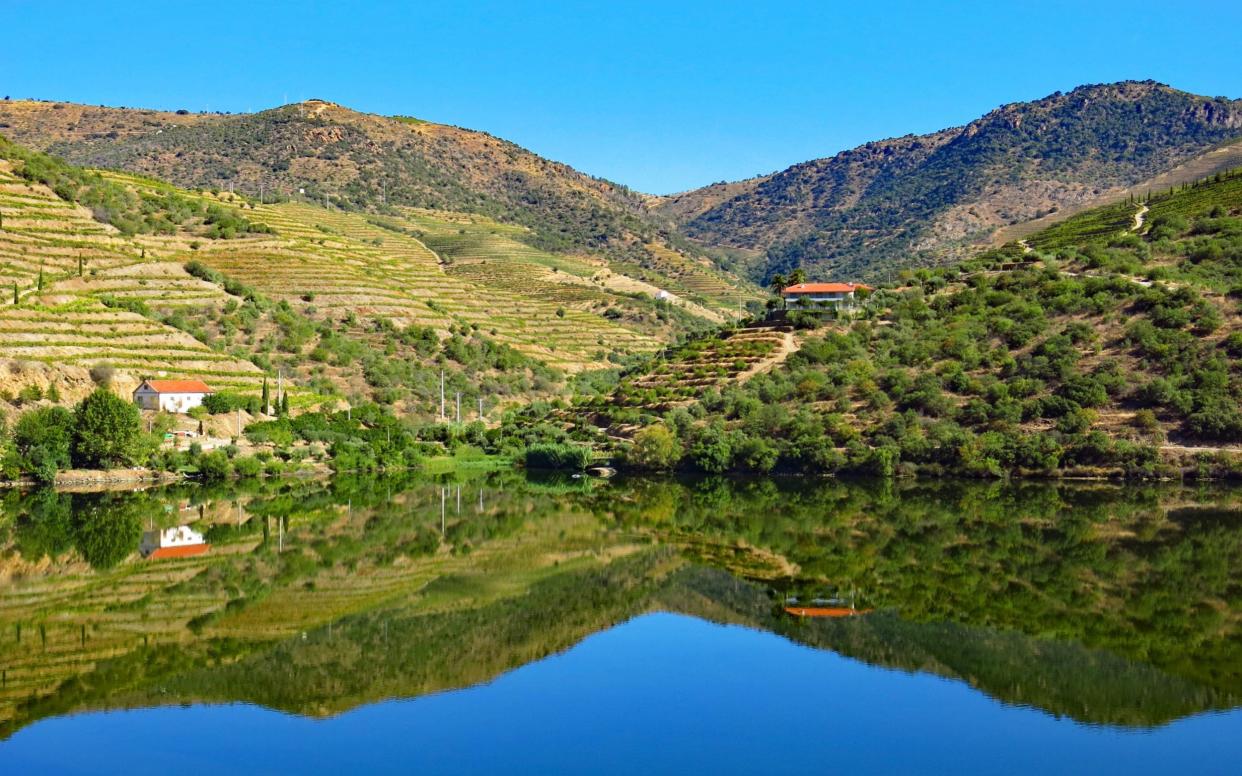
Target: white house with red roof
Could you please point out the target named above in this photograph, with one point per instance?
(179, 542)
(171, 395)
(834, 294)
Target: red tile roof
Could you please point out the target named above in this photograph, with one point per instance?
(825, 288)
(178, 386)
(824, 611)
(180, 551)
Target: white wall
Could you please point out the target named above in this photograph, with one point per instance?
(168, 402)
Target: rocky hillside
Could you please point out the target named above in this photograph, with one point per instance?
(323, 152)
(911, 201)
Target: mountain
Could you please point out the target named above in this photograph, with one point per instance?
(917, 200)
(322, 152)
(354, 159)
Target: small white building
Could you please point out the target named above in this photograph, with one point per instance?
(179, 542)
(171, 395)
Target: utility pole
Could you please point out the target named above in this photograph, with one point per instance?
(459, 408)
(239, 422)
(480, 408)
(442, 418)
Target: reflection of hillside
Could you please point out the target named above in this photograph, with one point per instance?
(1062, 678)
(1131, 571)
(285, 559)
(402, 652)
(1100, 604)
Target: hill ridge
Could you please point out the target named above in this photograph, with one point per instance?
(917, 200)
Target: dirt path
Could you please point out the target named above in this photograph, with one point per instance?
(789, 345)
(1026, 246)
(1193, 449)
(1139, 218)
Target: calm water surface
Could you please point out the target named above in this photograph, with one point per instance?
(489, 624)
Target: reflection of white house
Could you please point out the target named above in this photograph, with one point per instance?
(171, 395)
(834, 294)
(179, 542)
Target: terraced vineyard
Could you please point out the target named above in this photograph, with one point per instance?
(65, 324)
(344, 262)
(89, 295)
(704, 365)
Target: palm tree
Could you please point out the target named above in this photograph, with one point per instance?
(797, 276)
(777, 284)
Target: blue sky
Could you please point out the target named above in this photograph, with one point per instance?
(659, 96)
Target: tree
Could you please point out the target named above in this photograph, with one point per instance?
(42, 441)
(711, 449)
(215, 466)
(107, 431)
(655, 447)
(797, 276)
(108, 532)
(777, 283)
(266, 400)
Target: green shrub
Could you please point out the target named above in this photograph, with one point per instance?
(247, 466)
(42, 442)
(214, 466)
(558, 456)
(655, 447)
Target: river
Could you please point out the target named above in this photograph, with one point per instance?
(477, 623)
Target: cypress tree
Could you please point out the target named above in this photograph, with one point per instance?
(39, 283)
(284, 403)
(266, 399)
(79, 265)
(15, 296)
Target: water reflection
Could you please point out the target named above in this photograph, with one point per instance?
(1110, 605)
